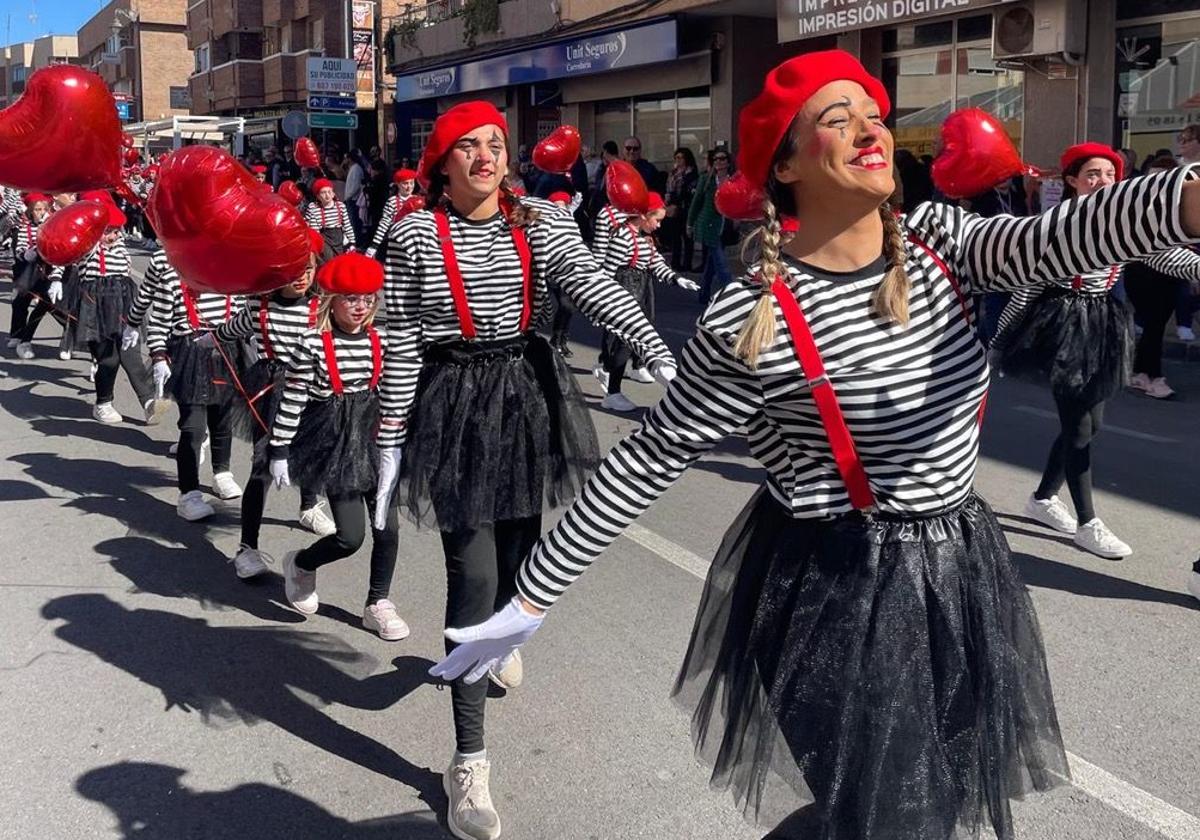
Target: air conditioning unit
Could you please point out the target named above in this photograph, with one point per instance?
(1038, 28)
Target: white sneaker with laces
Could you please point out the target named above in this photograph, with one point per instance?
(192, 507)
(250, 562)
(1159, 389)
(299, 586)
(470, 814)
(1052, 513)
(601, 376)
(105, 413)
(510, 673)
(1185, 333)
(225, 486)
(155, 409)
(24, 350)
(641, 374)
(618, 402)
(316, 520)
(1095, 537)
(382, 618)
(1139, 382)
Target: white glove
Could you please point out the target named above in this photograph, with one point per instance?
(484, 645)
(370, 252)
(206, 341)
(55, 291)
(162, 372)
(688, 285)
(279, 472)
(389, 475)
(129, 337)
(30, 255)
(664, 372)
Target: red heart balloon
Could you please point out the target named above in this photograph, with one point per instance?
(977, 154)
(71, 233)
(290, 193)
(558, 152)
(306, 153)
(132, 156)
(126, 140)
(739, 200)
(220, 229)
(411, 205)
(626, 189)
(62, 135)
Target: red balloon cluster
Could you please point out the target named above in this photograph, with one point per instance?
(976, 155)
(558, 152)
(220, 229)
(71, 233)
(306, 153)
(62, 135)
(290, 193)
(739, 200)
(625, 188)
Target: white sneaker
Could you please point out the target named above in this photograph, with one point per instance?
(13, 342)
(250, 562)
(641, 374)
(224, 485)
(1159, 389)
(1185, 333)
(105, 413)
(24, 350)
(1194, 585)
(470, 814)
(299, 586)
(65, 355)
(1095, 537)
(1052, 513)
(192, 507)
(618, 402)
(1139, 382)
(510, 673)
(601, 376)
(382, 618)
(155, 409)
(316, 520)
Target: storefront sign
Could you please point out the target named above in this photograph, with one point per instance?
(592, 53)
(181, 97)
(362, 37)
(812, 18)
(332, 75)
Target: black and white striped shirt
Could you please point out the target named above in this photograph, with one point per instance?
(606, 222)
(307, 378)
(161, 306)
(910, 395)
(26, 231)
(105, 261)
(334, 216)
(385, 223)
(420, 307)
(630, 248)
(287, 320)
(11, 204)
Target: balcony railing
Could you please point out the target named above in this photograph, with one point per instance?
(428, 14)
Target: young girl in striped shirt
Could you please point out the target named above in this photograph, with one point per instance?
(31, 276)
(329, 217)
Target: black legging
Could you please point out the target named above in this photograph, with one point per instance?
(109, 357)
(614, 358)
(1153, 296)
(350, 515)
(194, 422)
(481, 577)
(254, 500)
(1071, 457)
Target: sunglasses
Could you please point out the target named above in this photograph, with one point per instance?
(633, 148)
(720, 157)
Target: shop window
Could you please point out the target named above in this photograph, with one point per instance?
(614, 121)
(422, 130)
(654, 125)
(695, 121)
(662, 122)
(1157, 85)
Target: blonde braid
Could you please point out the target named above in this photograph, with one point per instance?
(521, 214)
(759, 330)
(890, 300)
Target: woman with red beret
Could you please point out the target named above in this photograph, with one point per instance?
(329, 217)
(394, 209)
(863, 635)
(322, 437)
(492, 423)
(1076, 334)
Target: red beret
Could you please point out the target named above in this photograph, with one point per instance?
(320, 184)
(764, 122)
(316, 242)
(560, 197)
(655, 203)
(33, 198)
(351, 274)
(103, 196)
(258, 169)
(1087, 151)
(452, 125)
(404, 175)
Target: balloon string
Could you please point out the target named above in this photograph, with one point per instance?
(48, 303)
(237, 384)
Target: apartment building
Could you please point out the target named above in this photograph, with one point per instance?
(19, 61)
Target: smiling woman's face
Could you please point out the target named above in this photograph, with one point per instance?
(477, 163)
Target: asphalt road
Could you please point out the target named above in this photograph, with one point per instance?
(147, 693)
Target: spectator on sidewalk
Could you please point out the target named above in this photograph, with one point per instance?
(708, 227)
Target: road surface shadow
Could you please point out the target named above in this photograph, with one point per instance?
(1050, 574)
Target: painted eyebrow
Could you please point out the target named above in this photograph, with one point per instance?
(844, 102)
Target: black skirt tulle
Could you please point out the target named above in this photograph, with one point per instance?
(1081, 343)
(334, 450)
(887, 672)
(640, 285)
(498, 431)
(202, 376)
(99, 306)
(68, 306)
(263, 383)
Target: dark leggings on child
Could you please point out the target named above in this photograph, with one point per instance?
(1071, 456)
(194, 422)
(1153, 296)
(254, 500)
(350, 515)
(614, 358)
(109, 358)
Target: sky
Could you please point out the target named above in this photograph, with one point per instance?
(58, 17)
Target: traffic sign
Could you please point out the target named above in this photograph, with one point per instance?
(333, 120)
(332, 103)
(295, 124)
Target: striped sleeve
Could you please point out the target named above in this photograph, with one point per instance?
(1181, 263)
(602, 231)
(161, 284)
(385, 222)
(618, 252)
(300, 377)
(1011, 315)
(658, 266)
(152, 291)
(1127, 221)
(402, 362)
(243, 323)
(712, 396)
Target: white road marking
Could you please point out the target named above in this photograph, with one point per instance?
(1121, 796)
(1116, 430)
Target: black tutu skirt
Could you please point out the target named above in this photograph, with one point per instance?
(499, 430)
(100, 306)
(889, 673)
(263, 384)
(1082, 344)
(67, 307)
(201, 376)
(640, 285)
(334, 451)
(30, 277)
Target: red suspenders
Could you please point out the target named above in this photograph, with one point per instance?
(458, 288)
(1113, 273)
(335, 376)
(634, 259)
(263, 322)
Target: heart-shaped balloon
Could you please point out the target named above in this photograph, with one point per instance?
(977, 154)
(558, 152)
(126, 140)
(220, 229)
(739, 200)
(306, 153)
(626, 189)
(62, 135)
(71, 233)
(410, 205)
(132, 156)
(290, 193)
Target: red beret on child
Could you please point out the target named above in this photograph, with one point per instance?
(450, 126)
(320, 184)
(404, 175)
(351, 274)
(559, 197)
(1087, 151)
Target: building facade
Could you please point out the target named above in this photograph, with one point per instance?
(19, 61)
(140, 49)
